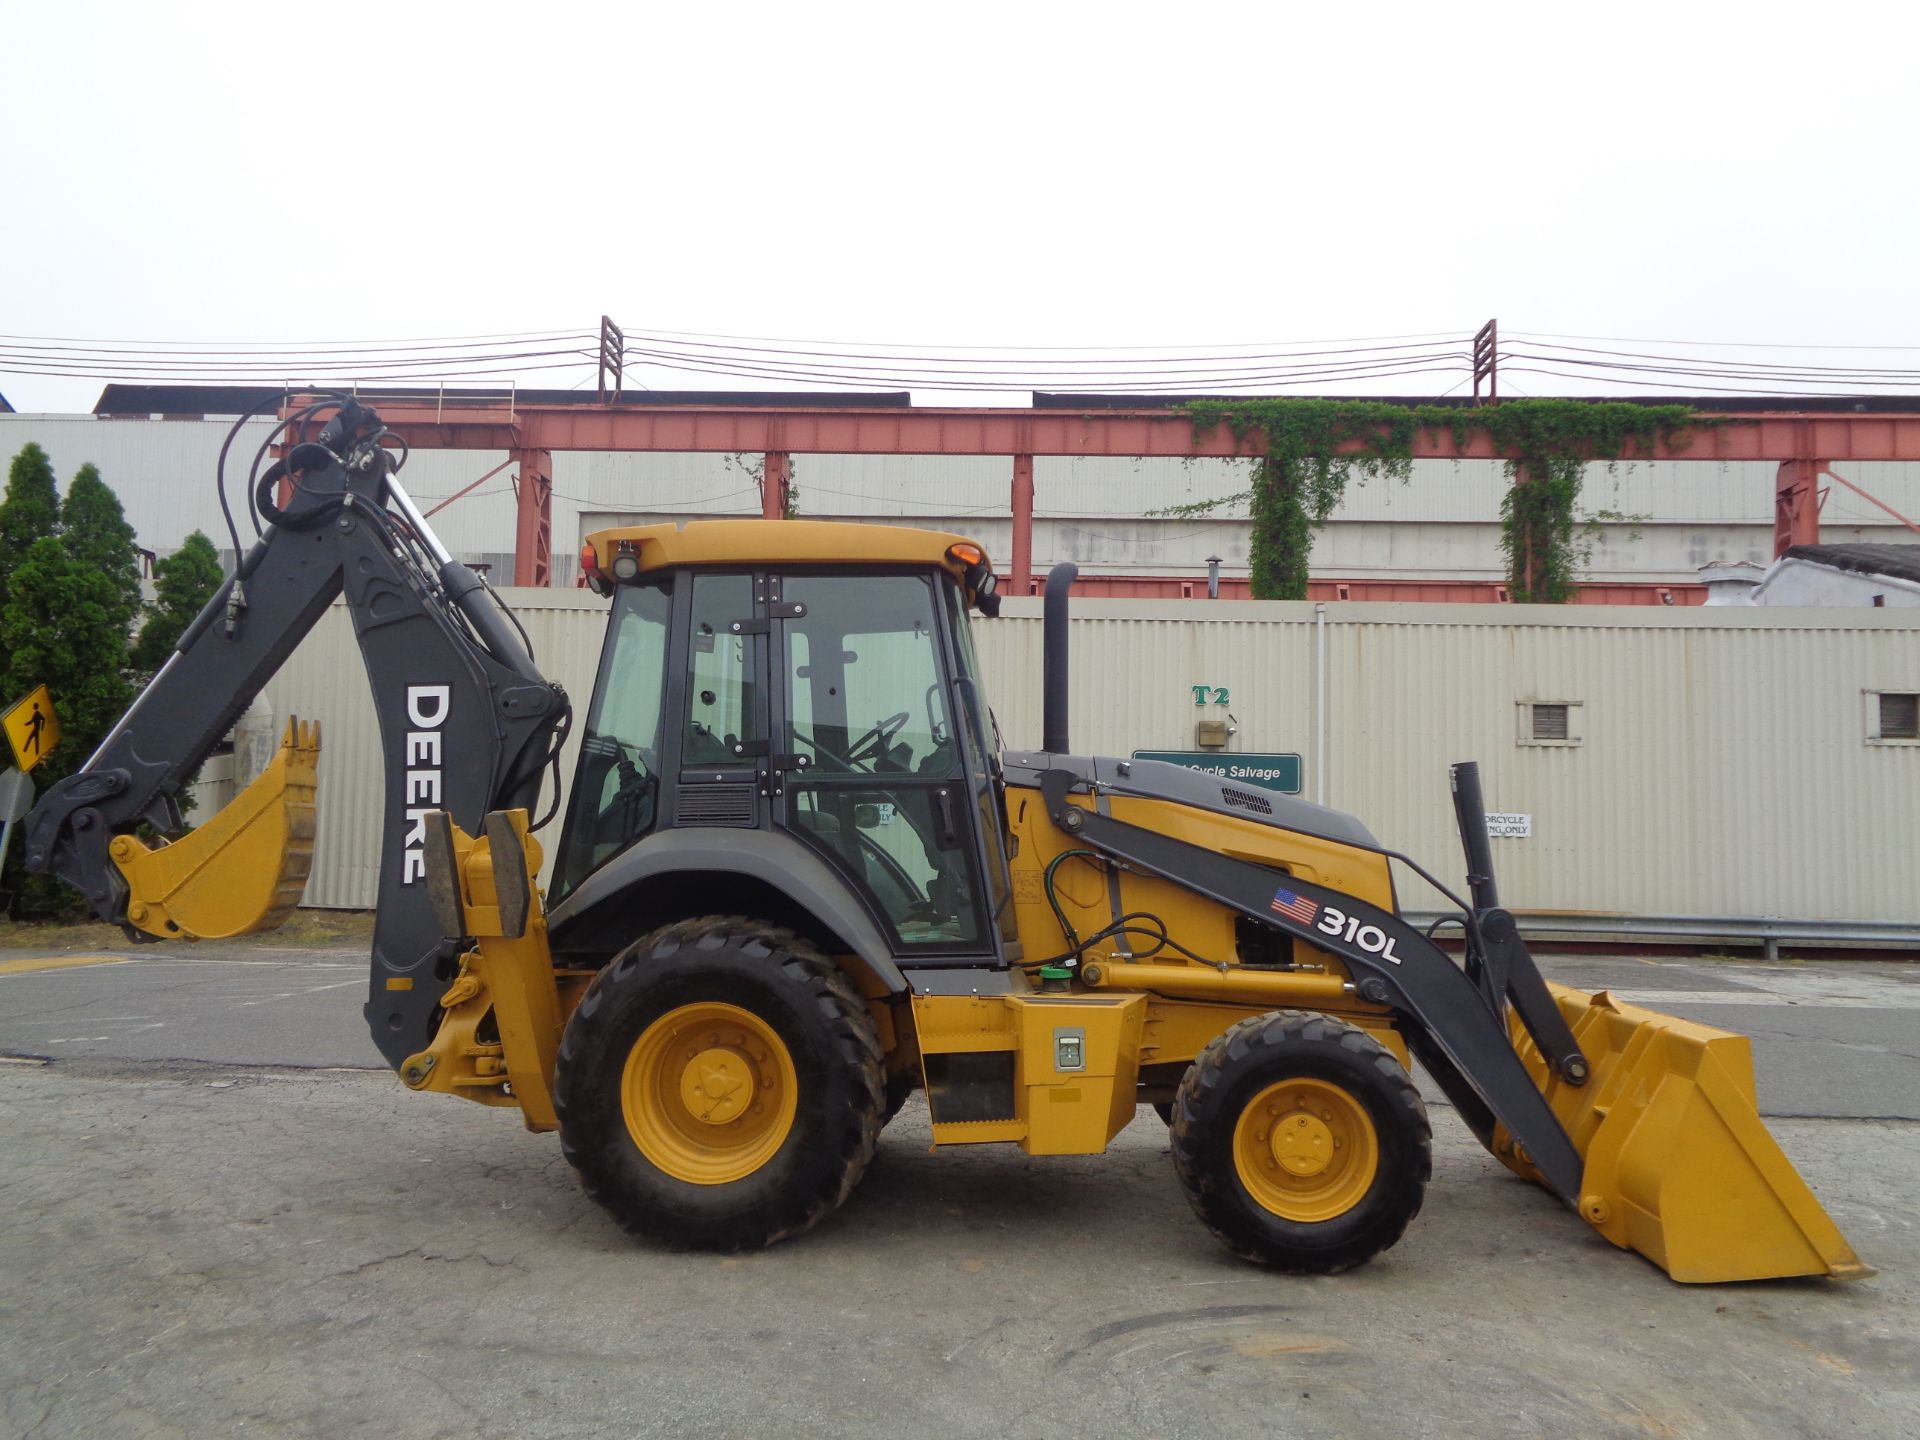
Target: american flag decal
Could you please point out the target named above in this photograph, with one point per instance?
(1294, 907)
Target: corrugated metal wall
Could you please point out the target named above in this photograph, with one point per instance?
(326, 681)
(1724, 768)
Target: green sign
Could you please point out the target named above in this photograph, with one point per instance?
(1269, 772)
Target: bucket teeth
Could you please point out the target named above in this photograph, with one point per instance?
(245, 868)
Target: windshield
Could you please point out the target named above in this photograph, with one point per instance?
(616, 789)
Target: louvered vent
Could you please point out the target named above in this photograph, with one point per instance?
(1899, 716)
(1246, 800)
(1549, 722)
(715, 805)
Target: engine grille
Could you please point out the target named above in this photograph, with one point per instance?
(716, 805)
(1246, 800)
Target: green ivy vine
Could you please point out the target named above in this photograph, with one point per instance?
(1303, 473)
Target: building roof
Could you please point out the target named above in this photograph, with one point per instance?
(145, 400)
(1717, 404)
(1902, 562)
(5, 408)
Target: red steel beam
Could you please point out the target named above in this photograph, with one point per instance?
(775, 477)
(1804, 444)
(1796, 505)
(428, 424)
(533, 528)
(1020, 571)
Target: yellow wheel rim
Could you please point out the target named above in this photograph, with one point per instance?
(709, 1093)
(1306, 1150)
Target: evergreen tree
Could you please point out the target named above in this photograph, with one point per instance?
(95, 531)
(71, 592)
(64, 626)
(183, 583)
(30, 511)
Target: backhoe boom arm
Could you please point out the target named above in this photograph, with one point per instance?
(466, 720)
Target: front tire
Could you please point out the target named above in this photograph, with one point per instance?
(719, 1086)
(1301, 1143)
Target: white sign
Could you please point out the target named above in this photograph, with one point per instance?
(1509, 827)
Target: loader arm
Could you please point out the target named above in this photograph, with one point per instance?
(466, 720)
(1456, 1033)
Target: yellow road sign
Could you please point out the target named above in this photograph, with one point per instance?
(32, 728)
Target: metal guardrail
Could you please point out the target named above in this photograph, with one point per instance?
(1769, 930)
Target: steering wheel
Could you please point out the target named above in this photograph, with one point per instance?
(873, 744)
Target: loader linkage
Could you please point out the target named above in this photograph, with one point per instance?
(1455, 1033)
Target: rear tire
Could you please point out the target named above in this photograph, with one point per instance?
(1301, 1143)
(719, 1086)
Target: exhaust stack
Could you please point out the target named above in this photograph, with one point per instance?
(1054, 664)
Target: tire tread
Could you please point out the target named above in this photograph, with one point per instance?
(1214, 1191)
(854, 1041)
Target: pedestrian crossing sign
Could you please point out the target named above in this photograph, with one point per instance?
(32, 728)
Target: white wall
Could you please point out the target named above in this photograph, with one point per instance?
(1724, 769)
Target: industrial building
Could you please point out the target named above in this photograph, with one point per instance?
(1434, 537)
(1666, 770)
(1637, 748)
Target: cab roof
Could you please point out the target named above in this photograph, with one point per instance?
(778, 542)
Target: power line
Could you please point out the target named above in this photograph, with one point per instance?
(1057, 349)
(830, 365)
(1572, 352)
(309, 345)
(1727, 344)
(794, 350)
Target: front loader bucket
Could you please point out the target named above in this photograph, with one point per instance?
(241, 872)
(1678, 1164)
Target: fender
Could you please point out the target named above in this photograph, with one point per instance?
(773, 858)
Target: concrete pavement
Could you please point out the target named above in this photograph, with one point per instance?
(199, 1246)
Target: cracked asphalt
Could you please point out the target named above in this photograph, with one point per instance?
(208, 1247)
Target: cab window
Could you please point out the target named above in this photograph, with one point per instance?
(883, 793)
(722, 698)
(616, 787)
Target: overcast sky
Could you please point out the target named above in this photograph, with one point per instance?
(1029, 174)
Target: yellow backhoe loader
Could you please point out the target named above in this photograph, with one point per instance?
(799, 879)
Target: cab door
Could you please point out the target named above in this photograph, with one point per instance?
(875, 774)
(721, 777)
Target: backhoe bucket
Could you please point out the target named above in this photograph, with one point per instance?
(1679, 1165)
(241, 872)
